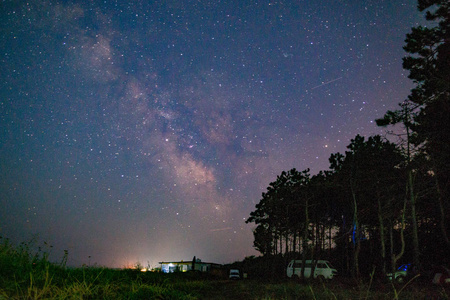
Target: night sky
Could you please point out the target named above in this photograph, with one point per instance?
(146, 132)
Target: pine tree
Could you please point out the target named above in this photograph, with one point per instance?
(429, 102)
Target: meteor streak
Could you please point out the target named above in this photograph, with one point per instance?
(325, 83)
(221, 229)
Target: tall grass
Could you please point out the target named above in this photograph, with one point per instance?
(25, 274)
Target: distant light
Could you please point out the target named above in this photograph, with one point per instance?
(144, 270)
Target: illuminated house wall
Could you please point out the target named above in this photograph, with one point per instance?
(184, 266)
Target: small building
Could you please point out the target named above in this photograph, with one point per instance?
(188, 265)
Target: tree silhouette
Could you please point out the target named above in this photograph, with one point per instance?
(429, 102)
(378, 200)
(368, 176)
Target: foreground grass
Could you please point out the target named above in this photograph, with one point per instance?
(27, 276)
(31, 276)
(316, 290)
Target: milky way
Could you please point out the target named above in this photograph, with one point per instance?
(139, 132)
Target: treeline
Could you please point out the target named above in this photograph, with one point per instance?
(380, 203)
(359, 210)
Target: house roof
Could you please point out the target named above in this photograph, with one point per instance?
(184, 262)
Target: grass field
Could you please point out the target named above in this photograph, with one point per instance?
(31, 276)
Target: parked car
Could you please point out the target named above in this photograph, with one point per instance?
(323, 269)
(402, 272)
(441, 275)
(234, 274)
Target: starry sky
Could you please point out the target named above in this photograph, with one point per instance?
(146, 131)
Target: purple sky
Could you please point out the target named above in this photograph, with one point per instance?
(147, 132)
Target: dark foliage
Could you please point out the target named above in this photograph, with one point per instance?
(382, 202)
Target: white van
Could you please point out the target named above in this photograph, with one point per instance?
(234, 274)
(323, 269)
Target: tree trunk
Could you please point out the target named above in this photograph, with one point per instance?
(329, 240)
(415, 235)
(294, 243)
(395, 258)
(280, 244)
(286, 247)
(305, 238)
(443, 222)
(357, 241)
(382, 237)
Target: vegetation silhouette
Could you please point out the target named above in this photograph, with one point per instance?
(381, 203)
